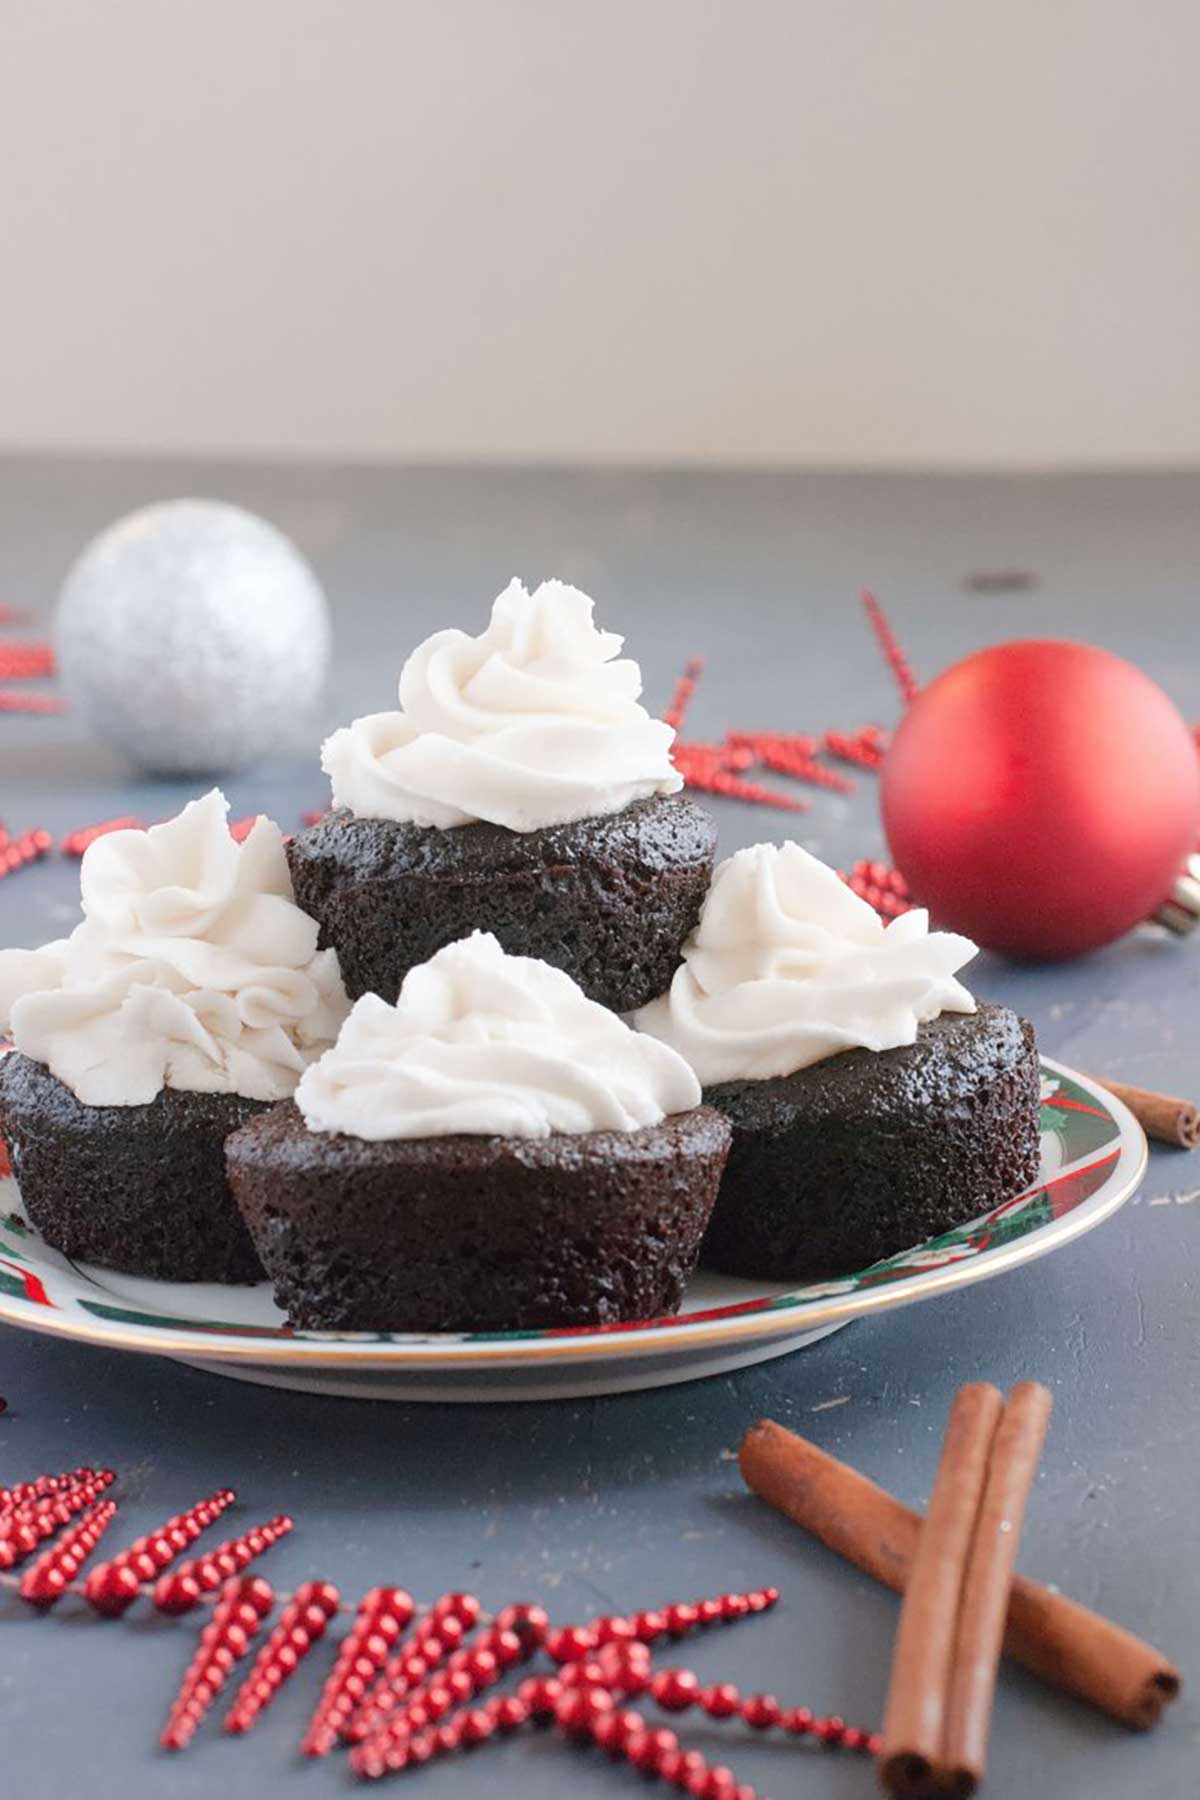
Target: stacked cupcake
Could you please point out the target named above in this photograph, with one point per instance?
(521, 789)
(481, 1141)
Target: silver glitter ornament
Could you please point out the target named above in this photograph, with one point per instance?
(193, 636)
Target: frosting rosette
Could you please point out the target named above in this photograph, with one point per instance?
(787, 966)
(480, 1043)
(193, 968)
(535, 722)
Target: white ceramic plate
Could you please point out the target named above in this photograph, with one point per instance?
(1093, 1158)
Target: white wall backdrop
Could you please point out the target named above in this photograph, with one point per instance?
(893, 231)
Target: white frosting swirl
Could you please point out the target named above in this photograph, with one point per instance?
(787, 966)
(193, 968)
(532, 723)
(480, 1043)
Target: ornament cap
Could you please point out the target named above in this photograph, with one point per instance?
(1180, 911)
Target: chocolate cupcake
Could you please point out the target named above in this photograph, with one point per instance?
(192, 996)
(136, 1188)
(494, 1152)
(608, 900)
(873, 1103)
(520, 789)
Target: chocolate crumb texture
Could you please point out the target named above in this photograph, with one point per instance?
(610, 900)
(870, 1152)
(141, 1189)
(477, 1233)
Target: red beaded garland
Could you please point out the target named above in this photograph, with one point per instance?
(615, 1667)
(530, 1622)
(23, 659)
(509, 1712)
(711, 768)
(41, 1487)
(656, 1753)
(571, 1643)
(244, 1603)
(864, 747)
(647, 1751)
(886, 638)
(47, 1580)
(16, 852)
(540, 1693)
(109, 1589)
(613, 1730)
(383, 1613)
(685, 687)
(721, 1700)
(436, 1637)
(794, 743)
(431, 1685)
(790, 753)
(15, 702)
(719, 768)
(482, 1662)
(577, 1709)
(474, 1726)
(23, 1528)
(596, 1662)
(677, 1690)
(678, 1619)
(622, 1666)
(181, 1589)
(690, 1766)
(880, 886)
(613, 1629)
(761, 1711)
(648, 1626)
(302, 1622)
(76, 842)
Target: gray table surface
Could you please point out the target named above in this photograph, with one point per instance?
(619, 1502)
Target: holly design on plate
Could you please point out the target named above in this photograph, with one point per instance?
(1072, 1125)
(1006, 1224)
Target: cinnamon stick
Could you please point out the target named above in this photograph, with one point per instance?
(1161, 1116)
(1056, 1638)
(915, 1718)
(1015, 1453)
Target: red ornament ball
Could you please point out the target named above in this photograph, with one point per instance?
(1041, 797)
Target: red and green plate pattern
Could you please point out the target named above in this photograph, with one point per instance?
(1093, 1157)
